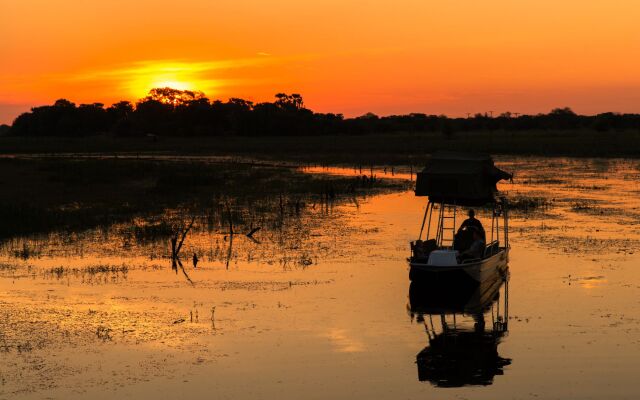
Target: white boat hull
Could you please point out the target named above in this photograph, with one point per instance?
(478, 271)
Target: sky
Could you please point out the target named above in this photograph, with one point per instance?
(343, 56)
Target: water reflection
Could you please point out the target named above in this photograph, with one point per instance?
(73, 304)
(464, 329)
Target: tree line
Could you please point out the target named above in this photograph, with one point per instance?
(184, 113)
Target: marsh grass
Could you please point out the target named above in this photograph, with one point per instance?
(27, 251)
(62, 271)
(588, 188)
(525, 204)
(584, 206)
(151, 231)
(71, 194)
(595, 209)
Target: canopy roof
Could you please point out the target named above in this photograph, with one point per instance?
(459, 178)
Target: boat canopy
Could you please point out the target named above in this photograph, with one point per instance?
(459, 178)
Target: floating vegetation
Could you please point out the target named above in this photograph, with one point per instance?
(7, 266)
(588, 245)
(583, 206)
(71, 195)
(103, 333)
(525, 204)
(543, 181)
(589, 188)
(113, 272)
(27, 251)
(591, 208)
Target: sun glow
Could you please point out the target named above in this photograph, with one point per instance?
(204, 76)
(173, 84)
(182, 76)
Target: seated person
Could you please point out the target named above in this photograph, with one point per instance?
(473, 222)
(463, 238)
(476, 250)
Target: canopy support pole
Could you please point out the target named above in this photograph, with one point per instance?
(493, 221)
(506, 302)
(506, 222)
(497, 229)
(430, 216)
(439, 231)
(424, 219)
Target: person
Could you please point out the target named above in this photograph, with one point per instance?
(195, 260)
(476, 250)
(473, 222)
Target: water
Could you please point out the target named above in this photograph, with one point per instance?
(319, 307)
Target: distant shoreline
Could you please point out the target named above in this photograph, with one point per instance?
(402, 148)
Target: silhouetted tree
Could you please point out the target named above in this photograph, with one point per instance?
(566, 111)
(174, 97)
(291, 102)
(4, 129)
(173, 112)
(120, 110)
(120, 118)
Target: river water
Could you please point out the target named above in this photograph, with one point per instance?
(321, 309)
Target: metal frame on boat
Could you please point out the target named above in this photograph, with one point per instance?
(453, 180)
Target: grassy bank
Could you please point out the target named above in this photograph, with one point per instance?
(68, 194)
(387, 149)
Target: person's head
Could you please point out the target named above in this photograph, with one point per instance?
(472, 214)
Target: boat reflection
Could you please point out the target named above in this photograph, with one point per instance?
(464, 329)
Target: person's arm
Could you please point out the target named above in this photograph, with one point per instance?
(464, 224)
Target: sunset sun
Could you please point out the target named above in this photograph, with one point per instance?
(176, 75)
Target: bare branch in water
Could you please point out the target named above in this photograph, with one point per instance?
(184, 235)
(185, 272)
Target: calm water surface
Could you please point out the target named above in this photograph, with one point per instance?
(319, 308)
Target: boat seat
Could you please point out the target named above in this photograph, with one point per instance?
(443, 258)
(491, 249)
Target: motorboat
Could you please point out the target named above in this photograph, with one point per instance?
(452, 181)
(425, 297)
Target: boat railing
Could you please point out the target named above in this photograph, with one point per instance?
(492, 248)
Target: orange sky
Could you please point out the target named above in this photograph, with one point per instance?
(344, 56)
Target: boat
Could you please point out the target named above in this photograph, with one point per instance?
(451, 181)
(464, 332)
(428, 298)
